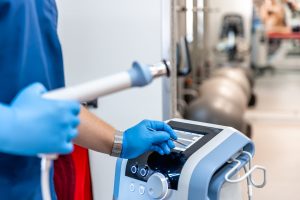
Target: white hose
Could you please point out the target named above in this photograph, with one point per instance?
(82, 93)
(93, 89)
(46, 164)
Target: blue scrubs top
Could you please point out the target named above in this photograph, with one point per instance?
(29, 52)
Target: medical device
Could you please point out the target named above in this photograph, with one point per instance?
(139, 75)
(206, 167)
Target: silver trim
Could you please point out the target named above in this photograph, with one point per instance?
(118, 143)
(159, 69)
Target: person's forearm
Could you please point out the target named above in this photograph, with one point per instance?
(94, 133)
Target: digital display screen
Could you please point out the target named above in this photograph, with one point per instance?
(185, 140)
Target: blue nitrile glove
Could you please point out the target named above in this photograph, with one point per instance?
(147, 136)
(32, 125)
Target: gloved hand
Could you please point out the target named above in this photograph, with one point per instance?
(147, 136)
(34, 125)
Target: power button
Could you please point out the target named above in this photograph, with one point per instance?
(142, 190)
(144, 171)
(134, 169)
(132, 187)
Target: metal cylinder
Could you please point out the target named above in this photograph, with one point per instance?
(220, 87)
(217, 110)
(238, 76)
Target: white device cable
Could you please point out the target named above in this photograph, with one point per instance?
(230, 173)
(248, 173)
(246, 176)
(249, 185)
(263, 169)
(46, 164)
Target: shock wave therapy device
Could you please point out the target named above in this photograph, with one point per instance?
(204, 165)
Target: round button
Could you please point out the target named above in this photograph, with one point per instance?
(134, 169)
(142, 190)
(144, 171)
(157, 186)
(131, 187)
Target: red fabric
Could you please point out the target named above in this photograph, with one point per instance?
(290, 36)
(83, 187)
(72, 176)
(64, 177)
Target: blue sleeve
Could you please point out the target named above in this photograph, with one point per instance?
(13, 17)
(6, 121)
(15, 32)
(30, 49)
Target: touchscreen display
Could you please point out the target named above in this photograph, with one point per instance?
(186, 140)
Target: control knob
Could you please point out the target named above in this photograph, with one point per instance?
(144, 171)
(134, 169)
(157, 186)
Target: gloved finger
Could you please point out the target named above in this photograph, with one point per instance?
(71, 106)
(157, 149)
(66, 106)
(68, 120)
(161, 126)
(158, 137)
(75, 122)
(75, 107)
(35, 89)
(171, 144)
(165, 147)
(72, 135)
(67, 148)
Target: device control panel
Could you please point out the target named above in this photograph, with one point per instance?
(155, 168)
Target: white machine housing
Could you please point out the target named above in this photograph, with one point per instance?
(196, 171)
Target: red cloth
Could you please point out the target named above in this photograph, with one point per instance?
(72, 177)
(83, 186)
(64, 177)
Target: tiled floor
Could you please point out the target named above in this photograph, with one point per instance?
(276, 129)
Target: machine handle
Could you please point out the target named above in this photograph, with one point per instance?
(248, 173)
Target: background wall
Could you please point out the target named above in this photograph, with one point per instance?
(101, 37)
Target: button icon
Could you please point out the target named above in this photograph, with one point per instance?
(144, 171)
(134, 169)
(131, 187)
(142, 190)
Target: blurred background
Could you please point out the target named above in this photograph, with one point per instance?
(237, 63)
